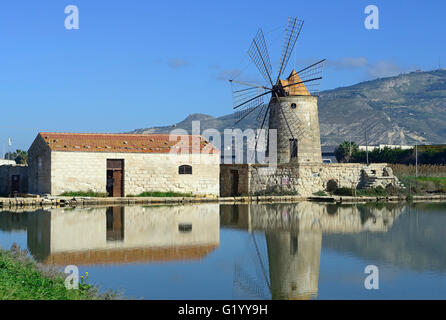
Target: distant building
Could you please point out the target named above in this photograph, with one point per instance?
(382, 146)
(122, 164)
(13, 177)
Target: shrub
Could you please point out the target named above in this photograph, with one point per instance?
(344, 192)
(161, 194)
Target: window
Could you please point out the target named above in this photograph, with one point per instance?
(185, 227)
(293, 148)
(185, 169)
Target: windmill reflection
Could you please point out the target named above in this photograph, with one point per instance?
(286, 242)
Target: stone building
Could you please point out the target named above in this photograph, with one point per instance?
(13, 178)
(122, 164)
(295, 117)
(299, 167)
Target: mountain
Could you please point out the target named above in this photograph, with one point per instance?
(406, 109)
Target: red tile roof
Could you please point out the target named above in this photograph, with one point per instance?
(130, 255)
(128, 143)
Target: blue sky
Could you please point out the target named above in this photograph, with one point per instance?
(135, 64)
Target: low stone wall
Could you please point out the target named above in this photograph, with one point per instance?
(303, 179)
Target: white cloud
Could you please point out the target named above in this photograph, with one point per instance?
(176, 63)
(382, 69)
(348, 63)
(371, 70)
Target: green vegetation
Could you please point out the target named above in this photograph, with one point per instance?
(275, 192)
(427, 155)
(88, 193)
(345, 151)
(424, 185)
(20, 156)
(320, 193)
(21, 279)
(162, 194)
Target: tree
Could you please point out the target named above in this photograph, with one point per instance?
(345, 150)
(20, 156)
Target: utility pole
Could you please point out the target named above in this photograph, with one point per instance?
(366, 147)
(350, 158)
(416, 161)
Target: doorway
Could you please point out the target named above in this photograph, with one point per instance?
(115, 178)
(115, 223)
(293, 148)
(15, 183)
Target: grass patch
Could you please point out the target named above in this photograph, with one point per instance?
(437, 180)
(424, 185)
(320, 193)
(88, 193)
(21, 279)
(275, 193)
(161, 194)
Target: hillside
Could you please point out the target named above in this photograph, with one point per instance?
(406, 109)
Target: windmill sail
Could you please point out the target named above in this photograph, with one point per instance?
(258, 52)
(292, 32)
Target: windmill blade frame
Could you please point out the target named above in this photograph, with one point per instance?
(292, 33)
(315, 72)
(258, 52)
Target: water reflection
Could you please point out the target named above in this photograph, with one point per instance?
(281, 255)
(289, 255)
(118, 234)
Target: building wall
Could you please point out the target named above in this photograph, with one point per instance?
(83, 171)
(6, 173)
(303, 121)
(227, 179)
(305, 179)
(39, 167)
(5, 162)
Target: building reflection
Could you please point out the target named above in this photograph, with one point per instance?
(293, 240)
(285, 240)
(123, 234)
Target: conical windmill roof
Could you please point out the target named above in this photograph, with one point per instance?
(296, 90)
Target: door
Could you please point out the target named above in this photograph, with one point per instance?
(115, 223)
(293, 148)
(234, 184)
(115, 177)
(117, 183)
(15, 183)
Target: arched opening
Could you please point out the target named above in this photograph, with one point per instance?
(332, 186)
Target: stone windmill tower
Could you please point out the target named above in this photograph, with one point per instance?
(292, 109)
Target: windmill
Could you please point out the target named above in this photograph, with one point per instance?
(292, 108)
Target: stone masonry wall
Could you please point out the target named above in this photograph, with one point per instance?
(306, 179)
(227, 179)
(6, 173)
(82, 171)
(39, 167)
(300, 115)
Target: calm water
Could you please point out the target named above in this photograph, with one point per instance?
(211, 251)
